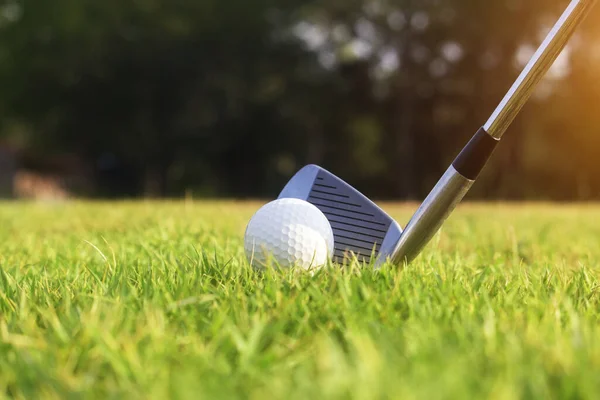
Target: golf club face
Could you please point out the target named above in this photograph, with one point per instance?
(360, 227)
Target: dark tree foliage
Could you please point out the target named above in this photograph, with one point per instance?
(230, 98)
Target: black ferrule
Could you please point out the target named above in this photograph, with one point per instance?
(475, 155)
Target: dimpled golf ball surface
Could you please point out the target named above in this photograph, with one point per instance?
(289, 232)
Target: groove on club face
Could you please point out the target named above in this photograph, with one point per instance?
(360, 228)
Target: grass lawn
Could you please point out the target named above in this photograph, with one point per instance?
(156, 300)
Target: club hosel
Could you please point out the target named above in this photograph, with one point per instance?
(431, 214)
(445, 196)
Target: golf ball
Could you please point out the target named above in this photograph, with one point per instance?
(289, 232)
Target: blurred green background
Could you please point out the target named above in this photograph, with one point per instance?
(166, 98)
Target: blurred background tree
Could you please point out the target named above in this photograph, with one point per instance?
(230, 98)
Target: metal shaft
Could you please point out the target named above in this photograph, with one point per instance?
(460, 176)
(537, 67)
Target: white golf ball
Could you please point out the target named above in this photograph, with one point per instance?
(289, 232)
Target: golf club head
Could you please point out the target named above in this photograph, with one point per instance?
(360, 227)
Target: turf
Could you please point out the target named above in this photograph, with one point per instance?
(156, 300)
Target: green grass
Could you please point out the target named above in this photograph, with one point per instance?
(156, 300)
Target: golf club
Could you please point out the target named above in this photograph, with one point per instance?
(361, 228)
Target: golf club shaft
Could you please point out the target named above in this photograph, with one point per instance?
(537, 67)
(460, 176)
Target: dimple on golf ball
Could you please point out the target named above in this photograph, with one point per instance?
(289, 232)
